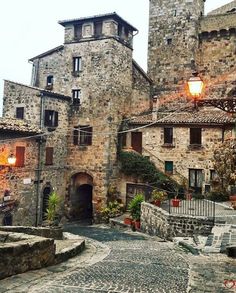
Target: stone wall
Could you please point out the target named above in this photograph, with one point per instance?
(55, 233)
(20, 253)
(224, 9)
(35, 102)
(156, 221)
(173, 40)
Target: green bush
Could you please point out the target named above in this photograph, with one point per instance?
(113, 209)
(135, 206)
(218, 196)
(134, 164)
(54, 203)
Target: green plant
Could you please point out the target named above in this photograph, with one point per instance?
(220, 195)
(113, 209)
(135, 206)
(54, 202)
(158, 195)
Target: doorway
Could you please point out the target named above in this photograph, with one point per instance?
(81, 207)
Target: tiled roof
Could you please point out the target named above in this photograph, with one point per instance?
(58, 48)
(18, 125)
(44, 91)
(213, 117)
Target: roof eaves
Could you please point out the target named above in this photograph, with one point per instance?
(58, 48)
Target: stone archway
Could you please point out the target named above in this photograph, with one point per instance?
(81, 207)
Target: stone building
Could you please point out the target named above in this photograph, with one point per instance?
(79, 94)
(82, 90)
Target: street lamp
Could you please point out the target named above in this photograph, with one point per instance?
(195, 85)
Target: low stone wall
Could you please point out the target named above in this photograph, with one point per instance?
(55, 233)
(20, 253)
(156, 221)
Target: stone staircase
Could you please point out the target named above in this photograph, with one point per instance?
(221, 237)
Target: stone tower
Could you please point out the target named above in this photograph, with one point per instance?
(173, 40)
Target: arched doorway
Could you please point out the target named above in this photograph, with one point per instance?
(46, 192)
(81, 207)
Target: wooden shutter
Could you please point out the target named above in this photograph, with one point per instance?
(20, 156)
(47, 119)
(49, 156)
(76, 137)
(136, 141)
(89, 135)
(55, 119)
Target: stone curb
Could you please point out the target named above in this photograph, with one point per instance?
(70, 252)
(189, 247)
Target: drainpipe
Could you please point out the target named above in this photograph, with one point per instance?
(39, 167)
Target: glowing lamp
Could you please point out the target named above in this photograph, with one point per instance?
(195, 85)
(11, 160)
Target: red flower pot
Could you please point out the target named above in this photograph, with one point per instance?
(188, 196)
(175, 202)
(157, 202)
(128, 221)
(137, 225)
(232, 197)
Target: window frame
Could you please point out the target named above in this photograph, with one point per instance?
(169, 172)
(195, 139)
(50, 118)
(77, 64)
(20, 111)
(82, 135)
(168, 137)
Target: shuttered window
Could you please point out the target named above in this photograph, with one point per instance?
(49, 156)
(51, 118)
(169, 166)
(20, 156)
(195, 136)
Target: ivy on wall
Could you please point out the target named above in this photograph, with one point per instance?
(134, 164)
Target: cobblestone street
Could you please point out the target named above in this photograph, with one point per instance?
(117, 261)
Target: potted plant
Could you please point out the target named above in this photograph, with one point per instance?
(135, 209)
(52, 212)
(158, 197)
(176, 201)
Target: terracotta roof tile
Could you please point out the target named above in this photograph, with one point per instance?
(197, 117)
(18, 125)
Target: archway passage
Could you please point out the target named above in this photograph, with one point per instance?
(81, 207)
(46, 192)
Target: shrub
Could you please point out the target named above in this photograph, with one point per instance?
(113, 209)
(218, 196)
(135, 206)
(158, 195)
(54, 202)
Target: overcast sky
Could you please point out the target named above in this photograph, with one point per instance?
(29, 27)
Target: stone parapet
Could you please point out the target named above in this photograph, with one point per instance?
(20, 253)
(156, 221)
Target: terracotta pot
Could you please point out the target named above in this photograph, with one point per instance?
(137, 224)
(188, 196)
(232, 197)
(175, 202)
(233, 204)
(157, 202)
(128, 221)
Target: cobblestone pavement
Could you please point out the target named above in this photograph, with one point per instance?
(127, 262)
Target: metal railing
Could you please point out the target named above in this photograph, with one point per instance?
(194, 207)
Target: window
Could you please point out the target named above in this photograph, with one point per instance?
(83, 135)
(77, 64)
(98, 29)
(213, 175)
(20, 112)
(169, 166)
(195, 136)
(49, 84)
(168, 135)
(49, 156)
(78, 31)
(195, 180)
(169, 41)
(20, 156)
(76, 95)
(51, 118)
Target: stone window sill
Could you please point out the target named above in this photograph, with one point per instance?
(168, 145)
(195, 147)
